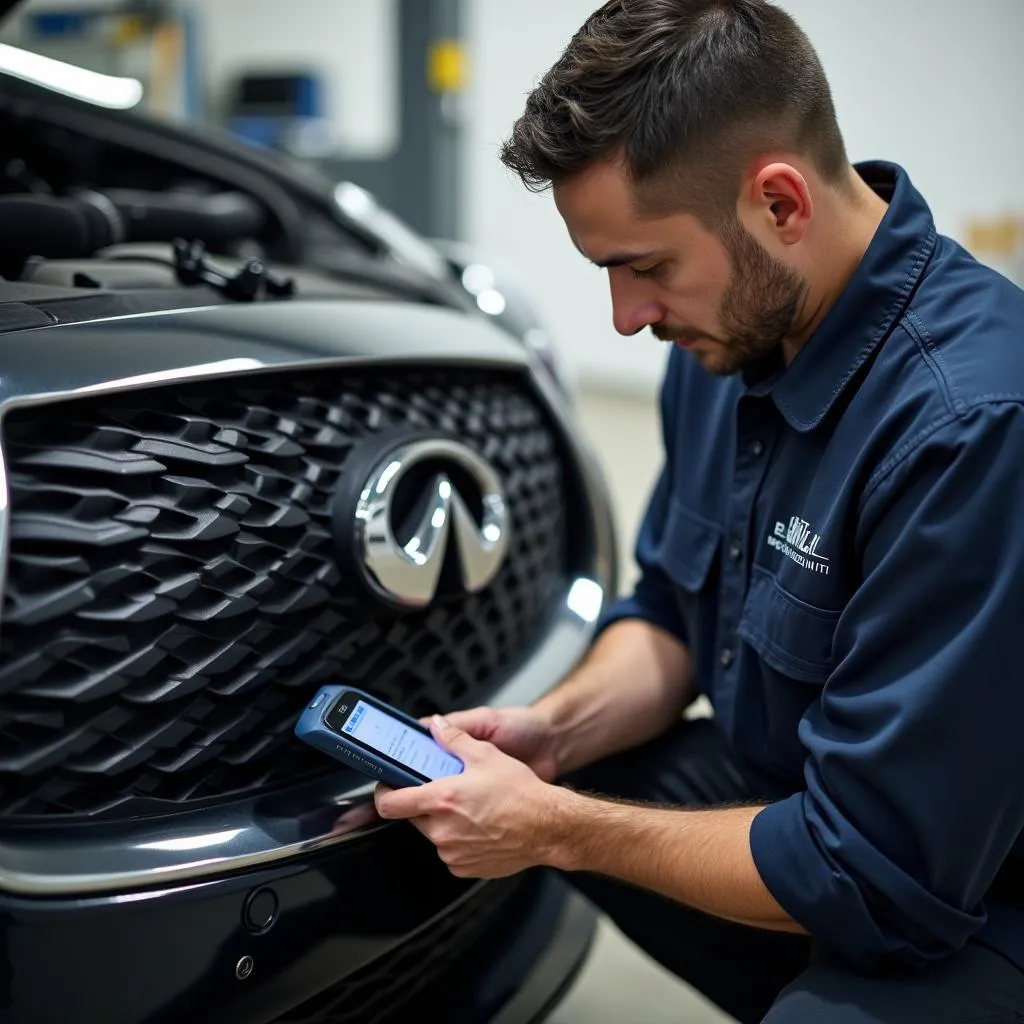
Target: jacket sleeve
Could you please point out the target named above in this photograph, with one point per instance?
(652, 598)
(915, 753)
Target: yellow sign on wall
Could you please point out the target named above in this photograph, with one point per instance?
(999, 242)
(448, 66)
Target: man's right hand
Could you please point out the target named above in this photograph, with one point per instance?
(633, 685)
(523, 733)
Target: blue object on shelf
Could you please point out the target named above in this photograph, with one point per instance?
(258, 131)
(270, 107)
(308, 96)
(59, 24)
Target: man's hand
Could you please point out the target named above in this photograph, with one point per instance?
(498, 818)
(522, 733)
(494, 819)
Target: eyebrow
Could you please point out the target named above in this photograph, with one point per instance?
(620, 259)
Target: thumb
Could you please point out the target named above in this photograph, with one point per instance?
(452, 738)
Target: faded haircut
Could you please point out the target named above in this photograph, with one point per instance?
(686, 93)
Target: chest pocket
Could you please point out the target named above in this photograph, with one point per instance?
(792, 643)
(688, 548)
(688, 556)
(792, 637)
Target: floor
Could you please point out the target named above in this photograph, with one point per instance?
(620, 983)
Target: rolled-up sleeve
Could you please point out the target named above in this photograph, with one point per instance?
(915, 752)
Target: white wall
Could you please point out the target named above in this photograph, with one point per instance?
(937, 85)
(352, 44)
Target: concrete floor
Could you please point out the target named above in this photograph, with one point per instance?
(620, 983)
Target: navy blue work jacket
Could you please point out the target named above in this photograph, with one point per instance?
(840, 544)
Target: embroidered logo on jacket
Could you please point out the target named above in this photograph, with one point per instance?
(800, 543)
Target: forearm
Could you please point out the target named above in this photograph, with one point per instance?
(699, 858)
(634, 684)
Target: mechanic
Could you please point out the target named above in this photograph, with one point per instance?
(833, 554)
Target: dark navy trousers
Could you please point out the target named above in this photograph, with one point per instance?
(760, 976)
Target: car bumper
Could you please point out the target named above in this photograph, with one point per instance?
(338, 949)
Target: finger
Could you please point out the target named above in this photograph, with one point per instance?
(480, 723)
(464, 867)
(423, 826)
(454, 739)
(407, 802)
(395, 804)
(380, 792)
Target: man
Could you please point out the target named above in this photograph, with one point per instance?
(833, 554)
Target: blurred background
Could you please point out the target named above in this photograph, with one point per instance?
(410, 100)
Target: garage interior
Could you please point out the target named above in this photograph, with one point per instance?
(410, 100)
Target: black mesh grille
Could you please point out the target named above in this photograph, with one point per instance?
(173, 595)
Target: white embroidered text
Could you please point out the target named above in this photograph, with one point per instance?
(800, 543)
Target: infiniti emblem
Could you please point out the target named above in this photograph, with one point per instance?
(407, 568)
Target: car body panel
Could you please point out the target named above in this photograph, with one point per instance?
(141, 920)
(183, 946)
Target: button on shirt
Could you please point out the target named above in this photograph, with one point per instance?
(840, 543)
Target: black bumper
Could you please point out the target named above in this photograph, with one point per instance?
(358, 934)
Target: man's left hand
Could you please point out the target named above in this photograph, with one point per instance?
(494, 819)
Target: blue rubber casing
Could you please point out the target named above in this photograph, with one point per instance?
(312, 728)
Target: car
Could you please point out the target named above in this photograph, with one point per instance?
(206, 353)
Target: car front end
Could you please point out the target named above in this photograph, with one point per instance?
(173, 595)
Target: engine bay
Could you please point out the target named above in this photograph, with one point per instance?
(105, 214)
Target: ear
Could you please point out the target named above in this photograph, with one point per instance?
(782, 201)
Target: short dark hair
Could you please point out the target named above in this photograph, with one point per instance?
(686, 92)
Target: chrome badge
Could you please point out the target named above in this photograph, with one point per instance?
(420, 501)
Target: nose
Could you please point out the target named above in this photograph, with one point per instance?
(633, 308)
